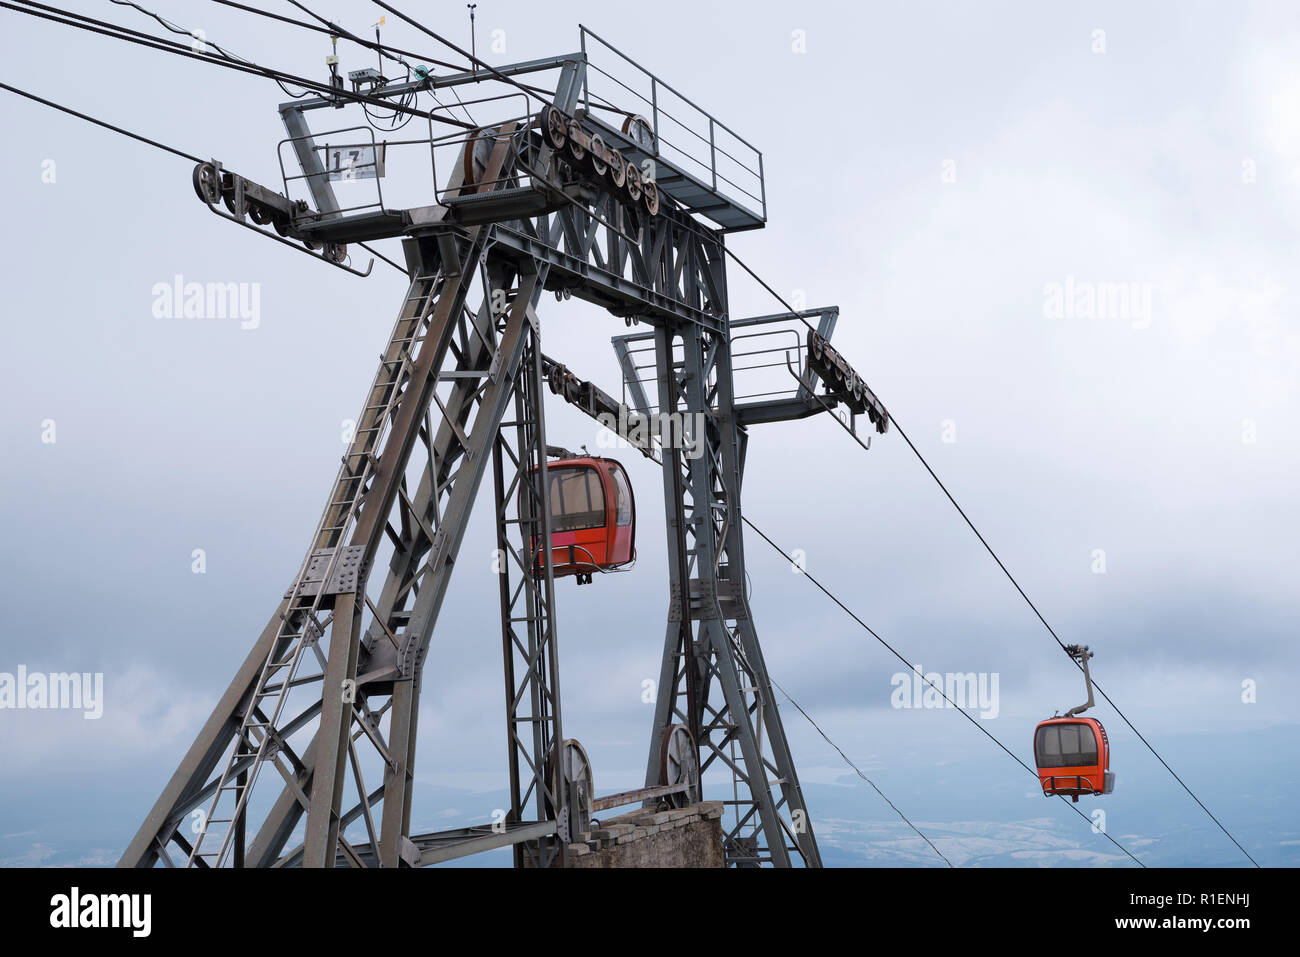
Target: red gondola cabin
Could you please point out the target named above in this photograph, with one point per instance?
(1073, 757)
(593, 517)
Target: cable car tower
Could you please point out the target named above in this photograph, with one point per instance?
(308, 757)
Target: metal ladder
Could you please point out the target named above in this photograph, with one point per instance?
(301, 627)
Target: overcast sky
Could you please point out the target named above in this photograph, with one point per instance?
(943, 172)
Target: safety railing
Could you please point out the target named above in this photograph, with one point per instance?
(753, 354)
(683, 133)
(352, 156)
(1083, 784)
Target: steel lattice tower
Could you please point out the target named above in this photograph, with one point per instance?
(316, 732)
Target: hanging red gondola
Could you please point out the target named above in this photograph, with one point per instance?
(593, 517)
(1073, 753)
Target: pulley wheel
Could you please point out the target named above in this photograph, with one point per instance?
(573, 772)
(679, 764)
(650, 196)
(617, 169)
(207, 183)
(576, 149)
(597, 148)
(633, 185)
(478, 152)
(555, 127)
(638, 129)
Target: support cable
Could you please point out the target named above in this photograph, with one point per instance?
(383, 48)
(108, 126)
(154, 143)
(892, 650)
(736, 259)
(335, 29)
(497, 74)
(181, 31)
(858, 770)
(117, 32)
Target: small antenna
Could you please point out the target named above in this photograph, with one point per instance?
(379, 53)
(473, 42)
(332, 61)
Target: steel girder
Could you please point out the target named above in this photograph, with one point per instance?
(534, 733)
(713, 677)
(665, 268)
